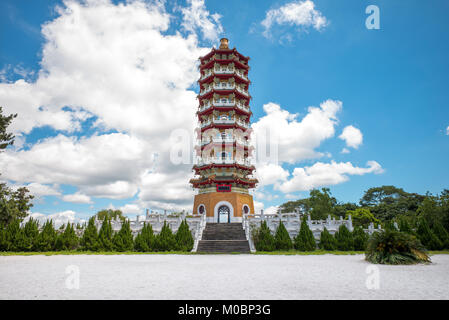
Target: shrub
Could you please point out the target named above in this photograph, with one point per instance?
(404, 226)
(327, 241)
(282, 238)
(427, 237)
(46, 240)
(31, 231)
(263, 239)
(89, 240)
(144, 241)
(165, 240)
(344, 239)
(3, 242)
(360, 239)
(394, 247)
(105, 235)
(67, 240)
(441, 234)
(305, 240)
(123, 240)
(184, 239)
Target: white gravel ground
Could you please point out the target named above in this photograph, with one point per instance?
(218, 277)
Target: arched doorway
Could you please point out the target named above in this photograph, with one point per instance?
(224, 214)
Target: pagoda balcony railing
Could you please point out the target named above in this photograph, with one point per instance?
(223, 71)
(206, 123)
(204, 91)
(225, 140)
(224, 86)
(220, 160)
(224, 121)
(242, 91)
(228, 103)
(210, 72)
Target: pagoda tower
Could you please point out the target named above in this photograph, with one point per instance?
(223, 169)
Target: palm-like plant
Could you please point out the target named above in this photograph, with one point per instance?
(394, 247)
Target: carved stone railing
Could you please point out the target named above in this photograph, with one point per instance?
(196, 224)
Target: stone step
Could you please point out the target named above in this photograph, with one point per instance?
(223, 246)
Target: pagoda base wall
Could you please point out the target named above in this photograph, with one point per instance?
(234, 200)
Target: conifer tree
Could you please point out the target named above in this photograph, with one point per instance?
(123, 240)
(404, 226)
(442, 234)
(263, 239)
(165, 240)
(344, 239)
(31, 230)
(67, 240)
(282, 238)
(3, 242)
(105, 235)
(327, 241)
(360, 238)
(144, 241)
(46, 240)
(427, 237)
(184, 239)
(89, 240)
(305, 241)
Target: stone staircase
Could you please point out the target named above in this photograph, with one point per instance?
(223, 238)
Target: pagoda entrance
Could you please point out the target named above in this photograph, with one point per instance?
(224, 214)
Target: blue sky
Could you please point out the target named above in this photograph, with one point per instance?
(392, 85)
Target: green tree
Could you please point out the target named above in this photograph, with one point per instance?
(360, 238)
(184, 239)
(67, 240)
(404, 226)
(441, 234)
(327, 241)
(46, 240)
(111, 214)
(6, 139)
(282, 238)
(89, 240)
(344, 239)
(31, 230)
(15, 237)
(144, 241)
(427, 237)
(305, 240)
(105, 236)
(3, 241)
(361, 217)
(430, 210)
(321, 203)
(123, 240)
(165, 240)
(14, 205)
(263, 239)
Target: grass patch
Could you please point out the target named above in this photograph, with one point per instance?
(68, 253)
(438, 252)
(310, 253)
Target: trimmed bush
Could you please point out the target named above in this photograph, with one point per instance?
(68, 239)
(183, 237)
(123, 240)
(144, 241)
(427, 237)
(344, 239)
(441, 234)
(31, 231)
(105, 236)
(46, 240)
(394, 247)
(305, 240)
(165, 240)
(360, 239)
(89, 240)
(327, 241)
(263, 239)
(282, 238)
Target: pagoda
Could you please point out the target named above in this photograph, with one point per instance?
(223, 169)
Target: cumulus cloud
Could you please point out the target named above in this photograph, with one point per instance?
(325, 174)
(77, 198)
(301, 14)
(447, 131)
(197, 18)
(352, 136)
(115, 65)
(297, 140)
(60, 218)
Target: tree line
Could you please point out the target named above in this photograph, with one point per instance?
(424, 216)
(29, 237)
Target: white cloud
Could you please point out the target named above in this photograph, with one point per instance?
(39, 190)
(325, 174)
(447, 131)
(352, 136)
(130, 208)
(297, 140)
(301, 14)
(345, 150)
(58, 219)
(77, 198)
(196, 17)
(270, 174)
(114, 64)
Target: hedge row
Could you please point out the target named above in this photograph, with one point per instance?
(29, 238)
